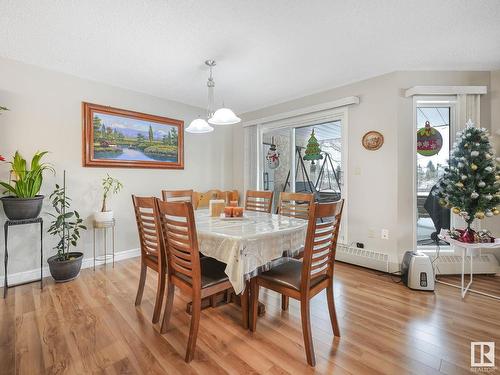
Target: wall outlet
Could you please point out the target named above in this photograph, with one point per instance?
(384, 234)
(360, 245)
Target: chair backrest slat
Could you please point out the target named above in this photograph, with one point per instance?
(180, 241)
(177, 195)
(259, 201)
(321, 241)
(147, 226)
(295, 205)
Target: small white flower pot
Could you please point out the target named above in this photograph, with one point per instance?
(103, 216)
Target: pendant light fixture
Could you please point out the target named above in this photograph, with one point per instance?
(201, 125)
(223, 116)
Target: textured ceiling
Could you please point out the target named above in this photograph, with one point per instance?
(267, 51)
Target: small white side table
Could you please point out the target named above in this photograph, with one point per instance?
(105, 225)
(469, 248)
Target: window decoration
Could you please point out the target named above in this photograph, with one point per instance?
(429, 140)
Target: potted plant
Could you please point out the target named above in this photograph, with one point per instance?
(66, 226)
(24, 202)
(110, 185)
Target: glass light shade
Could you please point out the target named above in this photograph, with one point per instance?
(199, 126)
(224, 116)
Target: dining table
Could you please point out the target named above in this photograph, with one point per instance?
(251, 244)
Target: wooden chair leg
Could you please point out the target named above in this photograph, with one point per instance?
(160, 292)
(142, 281)
(254, 303)
(213, 301)
(193, 330)
(331, 309)
(168, 307)
(244, 305)
(284, 302)
(306, 331)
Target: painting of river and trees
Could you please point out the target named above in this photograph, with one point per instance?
(120, 138)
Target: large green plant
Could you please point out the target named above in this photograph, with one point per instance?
(66, 224)
(27, 182)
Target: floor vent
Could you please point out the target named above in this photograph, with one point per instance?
(363, 257)
(452, 264)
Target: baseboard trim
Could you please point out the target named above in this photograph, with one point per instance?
(34, 274)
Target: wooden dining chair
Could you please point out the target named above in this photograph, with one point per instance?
(177, 195)
(295, 204)
(259, 201)
(199, 278)
(304, 279)
(151, 249)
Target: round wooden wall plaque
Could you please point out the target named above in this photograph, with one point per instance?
(373, 140)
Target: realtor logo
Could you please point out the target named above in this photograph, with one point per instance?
(482, 354)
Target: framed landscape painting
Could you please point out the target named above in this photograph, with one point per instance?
(115, 137)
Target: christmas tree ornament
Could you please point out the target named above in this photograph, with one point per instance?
(463, 177)
(273, 156)
(487, 156)
(473, 167)
(479, 215)
(460, 165)
(456, 210)
(496, 212)
(313, 151)
(488, 169)
(489, 213)
(474, 153)
(459, 185)
(474, 195)
(429, 140)
(481, 184)
(442, 202)
(488, 197)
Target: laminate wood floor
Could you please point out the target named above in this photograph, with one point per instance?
(90, 325)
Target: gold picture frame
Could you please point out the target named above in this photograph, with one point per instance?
(372, 140)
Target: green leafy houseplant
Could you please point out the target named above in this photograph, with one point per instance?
(109, 185)
(66, 225)
(27, 182)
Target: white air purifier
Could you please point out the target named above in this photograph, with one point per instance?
(417, 272)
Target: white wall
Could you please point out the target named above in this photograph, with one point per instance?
(45, 114)
(380, 196)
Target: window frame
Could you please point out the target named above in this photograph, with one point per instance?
(427, 101)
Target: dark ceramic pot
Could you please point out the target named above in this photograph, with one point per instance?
(65, 270)
(22, 208)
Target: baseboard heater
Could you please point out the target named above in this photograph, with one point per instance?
(452, 264)
(363, 257)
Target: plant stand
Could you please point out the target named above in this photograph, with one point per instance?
(469, 248)
(105, 225)
(8, 224)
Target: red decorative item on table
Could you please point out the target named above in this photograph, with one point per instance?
(228, 211)
(2, 158)
(238, 211)
(468, 235)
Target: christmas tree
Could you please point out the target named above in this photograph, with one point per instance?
(471, 183)
(313, 151)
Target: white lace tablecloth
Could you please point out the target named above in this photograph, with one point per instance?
(250, 244)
